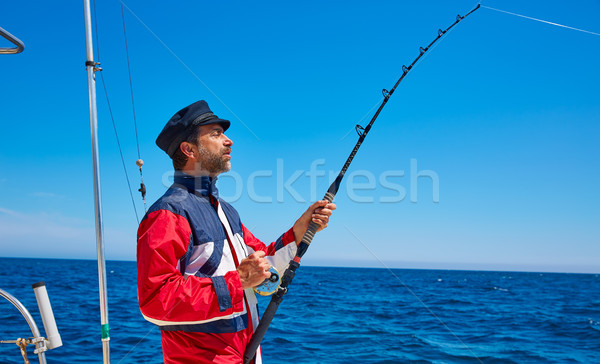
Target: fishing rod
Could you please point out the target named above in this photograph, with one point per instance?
(290, 272)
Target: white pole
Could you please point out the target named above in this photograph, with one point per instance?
(52, 335)
(90, 65)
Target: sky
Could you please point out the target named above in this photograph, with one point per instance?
(486, 156)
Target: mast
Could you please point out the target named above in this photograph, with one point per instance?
(91, 68)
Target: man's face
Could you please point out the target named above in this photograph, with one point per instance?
(214, 150)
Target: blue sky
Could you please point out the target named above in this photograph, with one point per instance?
(486, 157)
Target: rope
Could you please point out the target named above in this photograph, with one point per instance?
(22, 344)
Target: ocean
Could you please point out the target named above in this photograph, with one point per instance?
(335, 315)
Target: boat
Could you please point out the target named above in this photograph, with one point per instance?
(391, 130)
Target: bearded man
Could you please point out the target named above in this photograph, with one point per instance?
(197, 263)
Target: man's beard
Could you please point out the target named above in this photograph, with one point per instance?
(213, 163)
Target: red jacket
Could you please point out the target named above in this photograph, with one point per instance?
(188, 285)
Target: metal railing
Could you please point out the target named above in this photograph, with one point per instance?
(38, 339)
(14, 40)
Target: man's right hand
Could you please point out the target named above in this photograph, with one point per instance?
(254, 269)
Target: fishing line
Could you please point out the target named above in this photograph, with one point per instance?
(363, 118)
(414, 294)
(415, 65)
(294, 264)
(540, 20)
(112, 117)
(188, 69)
(135, 346)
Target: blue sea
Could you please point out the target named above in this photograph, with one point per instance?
(335, 315)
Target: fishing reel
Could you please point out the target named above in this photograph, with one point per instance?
(269, 285)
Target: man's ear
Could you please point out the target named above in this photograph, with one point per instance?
(188, 149)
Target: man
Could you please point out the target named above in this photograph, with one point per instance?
(197, 263)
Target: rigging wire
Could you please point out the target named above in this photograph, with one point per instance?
(137, 141)
(112, 117)
(120, 149)
(139, 162)
(189, 69)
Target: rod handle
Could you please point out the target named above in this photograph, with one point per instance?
(311, 231)
(261, 329)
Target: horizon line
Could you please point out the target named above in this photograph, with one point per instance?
(403, 265)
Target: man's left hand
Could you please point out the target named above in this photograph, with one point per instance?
(319, 212)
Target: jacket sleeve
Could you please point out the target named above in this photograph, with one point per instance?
(165, 296)
(279, 253)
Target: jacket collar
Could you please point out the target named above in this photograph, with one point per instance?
(199, 185)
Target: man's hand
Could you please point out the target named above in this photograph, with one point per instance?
(254, 269)
(318, 212)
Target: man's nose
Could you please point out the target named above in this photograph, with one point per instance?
(228, 142)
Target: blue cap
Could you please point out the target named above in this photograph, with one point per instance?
(180, 125)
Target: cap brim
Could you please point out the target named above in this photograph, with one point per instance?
(224, 123)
